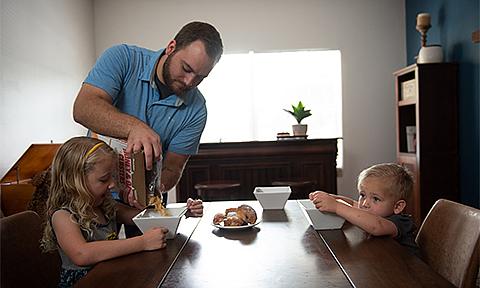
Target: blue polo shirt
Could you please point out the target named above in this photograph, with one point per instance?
(126, 73)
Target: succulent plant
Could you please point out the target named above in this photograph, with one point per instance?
(299, 112)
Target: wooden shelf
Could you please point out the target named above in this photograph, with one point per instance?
(476, 36)
(406, 102)
(261, 163)
(407, 155)
(434, 113)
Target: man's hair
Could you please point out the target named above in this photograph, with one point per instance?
(204, 32)
(397, 178)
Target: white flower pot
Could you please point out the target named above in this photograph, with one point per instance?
(430, 54)
(299, 129)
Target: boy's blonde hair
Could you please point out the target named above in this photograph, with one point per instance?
(68, 189)
(400, 180)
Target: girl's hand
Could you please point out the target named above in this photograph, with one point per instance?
(324, 201)
(195, 208)
(155, 238)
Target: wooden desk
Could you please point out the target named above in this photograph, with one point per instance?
(282, 251)
(144, 269)
(260, 163)
(378, 261)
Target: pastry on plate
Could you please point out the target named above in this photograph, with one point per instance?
(240, 216)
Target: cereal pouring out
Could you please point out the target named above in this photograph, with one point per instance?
(240, 216)
(157, 202)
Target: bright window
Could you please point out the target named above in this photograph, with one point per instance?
(246, 94)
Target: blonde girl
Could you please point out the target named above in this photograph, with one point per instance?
(82, 213)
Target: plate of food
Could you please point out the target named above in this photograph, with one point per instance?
(241, 217)
(241, 227)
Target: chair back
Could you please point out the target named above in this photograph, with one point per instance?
(23, 264)
(449, 241)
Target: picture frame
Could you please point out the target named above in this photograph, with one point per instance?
(409, 90)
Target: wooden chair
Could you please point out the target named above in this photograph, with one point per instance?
(23, 264)
(300, 187)
(217, 190)
(449, 240)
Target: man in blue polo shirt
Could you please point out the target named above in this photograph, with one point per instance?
(151, 99)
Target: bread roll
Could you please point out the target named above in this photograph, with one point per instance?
(233, 221)
(218, 218)
(247, 214)
(240, 216)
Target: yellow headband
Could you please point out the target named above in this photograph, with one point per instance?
(93, 149)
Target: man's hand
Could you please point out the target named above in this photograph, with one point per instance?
(143, 137)
(93, 109)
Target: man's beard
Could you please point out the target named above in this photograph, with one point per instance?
(169, 81)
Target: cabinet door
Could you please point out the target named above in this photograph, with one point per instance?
(413, 204)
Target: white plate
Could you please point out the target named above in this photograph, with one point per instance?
(220, 226)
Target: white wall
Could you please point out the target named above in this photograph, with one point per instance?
(369, 33)
(47, 49)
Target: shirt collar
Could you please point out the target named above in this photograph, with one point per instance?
(149, 69)
(149, 75)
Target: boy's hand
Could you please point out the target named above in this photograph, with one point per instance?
(324, 201)
(195, 208)
(155, 238)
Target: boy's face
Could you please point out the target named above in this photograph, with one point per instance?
(374, 197)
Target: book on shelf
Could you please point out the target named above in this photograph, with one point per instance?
(291, 137)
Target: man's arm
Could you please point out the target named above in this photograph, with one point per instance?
(93, 109)
(172, 172)
(172, 169)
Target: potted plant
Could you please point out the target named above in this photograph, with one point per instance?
(299, 113)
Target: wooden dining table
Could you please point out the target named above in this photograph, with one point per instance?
(283, 250)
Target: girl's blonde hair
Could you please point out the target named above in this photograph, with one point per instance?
(398, 178)
(68, 189)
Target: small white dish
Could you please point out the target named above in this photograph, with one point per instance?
(220, 226)
(320, 220)
(272, 198)
(150, 218)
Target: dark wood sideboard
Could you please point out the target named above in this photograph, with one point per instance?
(259, 163)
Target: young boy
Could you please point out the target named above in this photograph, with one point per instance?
(382, 193)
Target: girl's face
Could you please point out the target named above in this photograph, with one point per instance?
(100, 179)
(374, 197)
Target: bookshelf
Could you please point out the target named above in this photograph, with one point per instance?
(427, 128)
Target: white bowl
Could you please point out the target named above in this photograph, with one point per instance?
(272, 197)
(320, 220)
(150, 218)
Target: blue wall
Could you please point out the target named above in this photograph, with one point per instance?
(453, 22)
